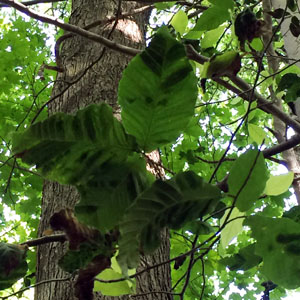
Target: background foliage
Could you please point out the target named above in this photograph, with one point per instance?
(203, 138)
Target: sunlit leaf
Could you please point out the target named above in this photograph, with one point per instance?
(157, 92)
(256, 133)
(278, 184)
(180, 21)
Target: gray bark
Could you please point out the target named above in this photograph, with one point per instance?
(96, 73)
(292, 47)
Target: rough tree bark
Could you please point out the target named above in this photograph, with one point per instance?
(94, 73)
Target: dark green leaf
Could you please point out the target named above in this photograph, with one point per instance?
(293, 213)
(277, 13)
(245, 259)
(69, 149)
(113, 188)
(291, 4)
(291, 84)
(13, 265)
(170, 203)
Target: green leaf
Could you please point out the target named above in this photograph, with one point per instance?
(278, 243)
(290, 83)
(69, 149)
(157, 92)
(78, 259)
(247, 179)
(293, 213)
(244, 260)
(169, 203)
(232, 229)
(111, 191)
(278, 184)
(180, 21)
(199, 227)
(256, 133)
(214, 16)
(13, 265)
(111, 289)
(257, 44)
(211, 37)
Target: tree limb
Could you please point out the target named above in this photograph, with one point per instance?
(244, 91)
(71, 28)
(46, 239)
(33, 2)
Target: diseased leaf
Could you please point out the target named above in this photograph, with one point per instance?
(157, 92)
(247, 179)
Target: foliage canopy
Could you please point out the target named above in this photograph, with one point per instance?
(219, 198)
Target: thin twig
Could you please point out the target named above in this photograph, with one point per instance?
(35, 285)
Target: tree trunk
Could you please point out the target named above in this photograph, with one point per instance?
(92, 74)
(292, 47)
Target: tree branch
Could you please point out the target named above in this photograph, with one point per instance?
(33, 2)
(35, 285)
(71, 28)
(291, 143)
(46, 239)
(244, 90)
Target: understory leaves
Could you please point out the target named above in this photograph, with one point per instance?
(168, 203)
(247, 179)
(157, 92)
(13, 265)
(278, 243)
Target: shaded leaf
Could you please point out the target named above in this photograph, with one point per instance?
(113, 188)
(168, 203)
(247, 179)
(293, 213)
(13, 265)
(278, 13)
(69, 149)
(245, 259)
